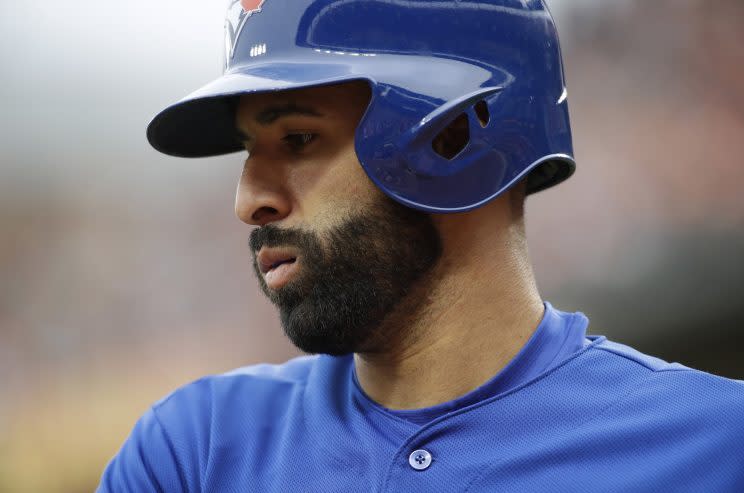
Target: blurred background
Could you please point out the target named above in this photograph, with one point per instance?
(124, 273)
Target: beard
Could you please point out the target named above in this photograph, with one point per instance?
(351, 277)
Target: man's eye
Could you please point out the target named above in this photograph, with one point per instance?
(299, 140)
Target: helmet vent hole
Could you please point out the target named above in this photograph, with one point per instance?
(481, 111)
(452, 139)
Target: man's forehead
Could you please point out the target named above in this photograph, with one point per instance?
(317, 95)
(265, 108)
(279, 97)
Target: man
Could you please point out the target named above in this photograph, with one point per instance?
(390, 147)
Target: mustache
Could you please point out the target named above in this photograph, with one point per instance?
(273, 236)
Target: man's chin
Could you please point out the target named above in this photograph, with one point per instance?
(311, 332)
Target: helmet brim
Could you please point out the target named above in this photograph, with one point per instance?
(203, 123)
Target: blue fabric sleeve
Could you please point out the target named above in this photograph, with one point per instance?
(145, 463)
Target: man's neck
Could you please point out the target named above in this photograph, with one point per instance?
(458, 327)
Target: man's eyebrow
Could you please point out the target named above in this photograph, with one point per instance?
(270, 114)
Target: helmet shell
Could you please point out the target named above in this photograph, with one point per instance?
(428, 63)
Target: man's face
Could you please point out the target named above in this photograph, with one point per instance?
(332, 252)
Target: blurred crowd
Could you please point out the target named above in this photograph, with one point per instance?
(125, 273)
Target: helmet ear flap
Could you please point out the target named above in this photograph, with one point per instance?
(438, 145)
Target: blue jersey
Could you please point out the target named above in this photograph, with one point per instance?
(569, 413)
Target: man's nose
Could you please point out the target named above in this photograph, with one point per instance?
(262, 197)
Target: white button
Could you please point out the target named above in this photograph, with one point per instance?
(419, 459)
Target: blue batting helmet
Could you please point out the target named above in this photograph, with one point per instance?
(491, 68)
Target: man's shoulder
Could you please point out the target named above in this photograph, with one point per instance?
(246, 384)
(624, 355)
(669, 385)
(175, 442)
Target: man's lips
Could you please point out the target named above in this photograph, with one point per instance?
(277, 265)
(271, 258)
